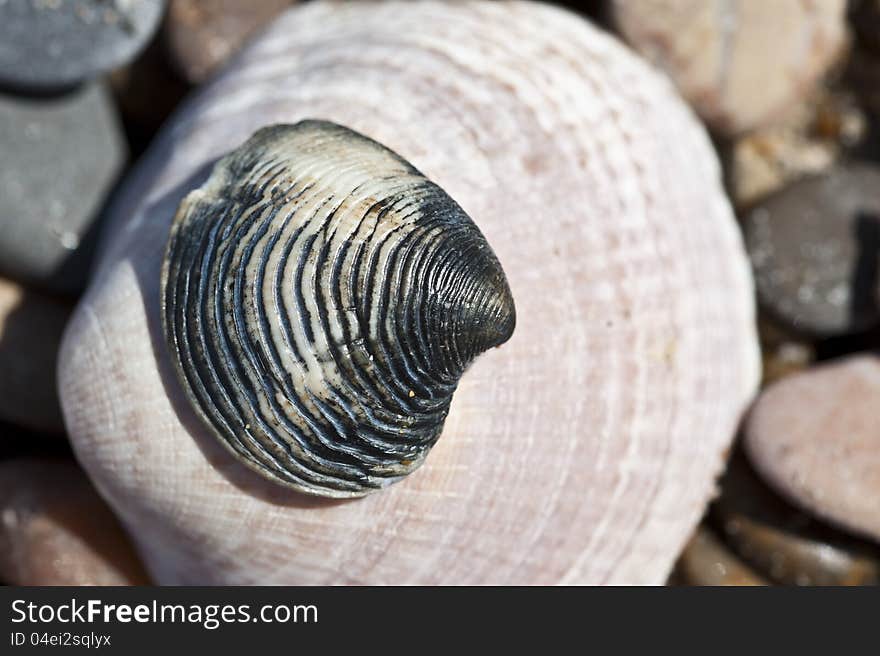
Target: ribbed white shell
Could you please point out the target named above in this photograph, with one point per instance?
(582, 451)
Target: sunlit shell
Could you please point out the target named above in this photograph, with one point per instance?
(321, 300)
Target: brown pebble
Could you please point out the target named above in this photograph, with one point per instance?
(815, 437)
(792, 560)
(31, 325)
(203, 34)
(742, 64)
(56, 530)
(706, 561)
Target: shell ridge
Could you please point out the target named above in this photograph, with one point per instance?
(274, 445)
(322, 407)
(186, 326)
(253, 346)
(209, 352)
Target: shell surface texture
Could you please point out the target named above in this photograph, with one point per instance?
(321, 299)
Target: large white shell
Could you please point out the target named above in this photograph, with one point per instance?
(583, 451)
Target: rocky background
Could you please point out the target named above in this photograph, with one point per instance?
(790, 92)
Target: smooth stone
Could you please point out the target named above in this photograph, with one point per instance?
(814, 248)
(61, 158)
(815, 437)
(56, 44)
(792, 560)
(56, 530)
(31, 325)
(706, 561)
(742, 63)
(202, 35)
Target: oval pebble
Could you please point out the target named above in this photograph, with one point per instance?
(61, 157)
(815, 437)
(53, 44)
(706, 561)
(814, 248)
(793, 560)
(740, 63)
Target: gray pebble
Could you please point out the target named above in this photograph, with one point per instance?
(51, 44)
(61, 157)
(815, 251)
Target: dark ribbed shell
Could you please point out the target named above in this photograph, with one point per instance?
(321, 300)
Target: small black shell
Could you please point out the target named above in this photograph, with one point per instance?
(321, 299)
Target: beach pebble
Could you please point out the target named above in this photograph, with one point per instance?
(815, 437)
(56, 530)
(814, 248)
(706, 561)
(792, 560)
(31, 325)
(55, 44)
(740, 63)
(61, 157)
(203, 34)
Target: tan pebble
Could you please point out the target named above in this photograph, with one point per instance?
(794, 560)
(740, 63)
(706, 561)
(56, 530)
